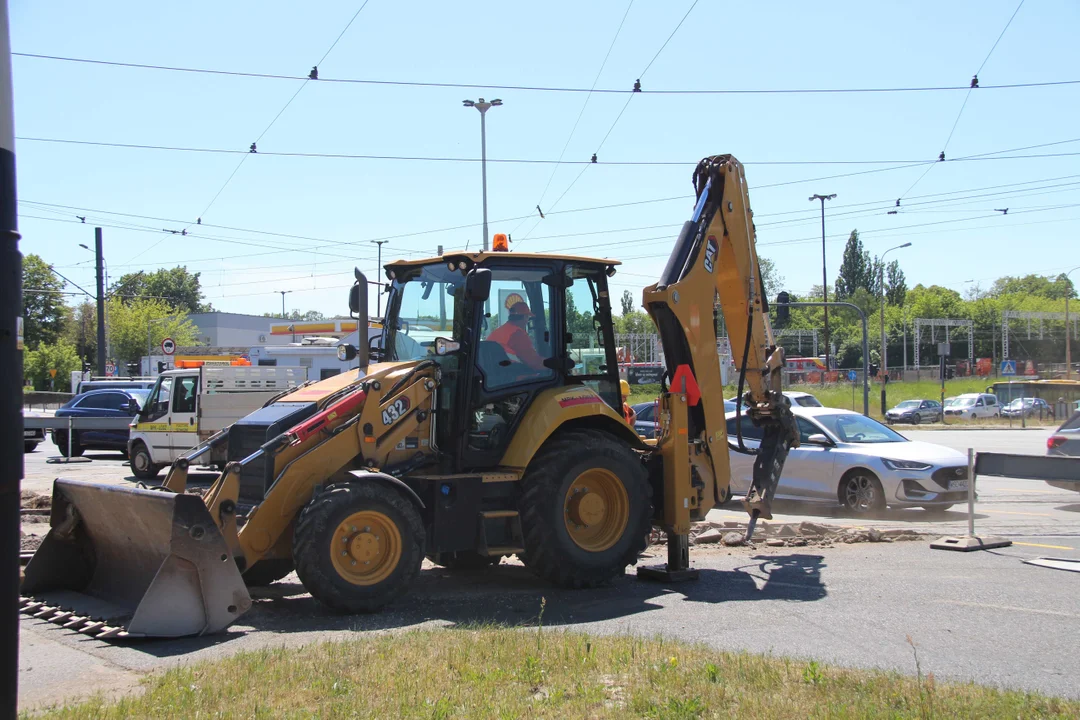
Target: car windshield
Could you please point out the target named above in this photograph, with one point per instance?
(908, 404)
(964, 402)
(1020, 402)
(140, 396)
(949, 402)
(807, 401)
(853, 428)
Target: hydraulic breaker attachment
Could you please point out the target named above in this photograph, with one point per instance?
(129, 562)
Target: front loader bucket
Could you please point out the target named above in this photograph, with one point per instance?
(127, 562)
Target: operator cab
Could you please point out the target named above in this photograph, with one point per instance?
(502, 328)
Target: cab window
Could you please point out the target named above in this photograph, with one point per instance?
(516, 329)
(587, 353)
(184, 397)
(157, 405)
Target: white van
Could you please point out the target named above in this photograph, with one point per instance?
(972, 406)
(187, 406)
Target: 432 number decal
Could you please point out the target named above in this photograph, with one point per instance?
(395, 410)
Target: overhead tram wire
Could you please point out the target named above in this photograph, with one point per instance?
(254, 146)
(581, 113)
(636, 90)
(974, 85)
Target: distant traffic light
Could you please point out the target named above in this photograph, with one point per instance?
(783, 312)
(873, 370)
(162, 366)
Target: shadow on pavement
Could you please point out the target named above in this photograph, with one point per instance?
(1074, 507)
(509, 595)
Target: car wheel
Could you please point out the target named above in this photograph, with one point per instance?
(916, 419)
(60, 437)
(29, 447)
(861, 493)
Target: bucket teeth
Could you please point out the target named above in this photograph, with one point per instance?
(68, 619)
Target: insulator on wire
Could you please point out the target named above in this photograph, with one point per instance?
(637, 85)
(314, 74)
(594, 157)
(974, 81)
(941, 156)
(252, 148)
(540, 211)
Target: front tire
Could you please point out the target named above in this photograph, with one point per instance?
(860, 493)
(142, 464)
(916, 419)
(358, 546)
(29, 447)
(585, 509)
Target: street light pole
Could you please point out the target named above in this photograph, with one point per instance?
(1068, 345)
(379, 271)
(483, 106)
(824, 278)
(283, 293)
(881, 291)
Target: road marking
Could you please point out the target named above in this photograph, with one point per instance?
(1052, 547)
(1013, 608)
(1010, 512)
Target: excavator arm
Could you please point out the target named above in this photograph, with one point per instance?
(714, 264)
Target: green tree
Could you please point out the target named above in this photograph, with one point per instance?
(178, 287)
(60, 356)
(309, 316)
(895, 284)
(634, 322)
(1045, 287)
(44, 312)
(856, 269)
(627, 302)
(81, 330)
(129, 323)
(773, 280)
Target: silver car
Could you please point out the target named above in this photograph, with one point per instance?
(848, 459)
(1065, 441)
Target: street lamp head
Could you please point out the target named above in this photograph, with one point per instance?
(84, 247)
(822, 197)
(906, 245)
(468, 103)
(496, 101)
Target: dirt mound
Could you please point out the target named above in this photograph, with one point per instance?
(31, 500)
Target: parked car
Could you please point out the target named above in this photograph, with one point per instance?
(1065, 441)
(98, 403)
(803, 399)
(1026, 407)
(914, 412)
(32, 437)
(86, 386)
(848, 459)
(972, 406)
(646, 422)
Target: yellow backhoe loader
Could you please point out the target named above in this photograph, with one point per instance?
(486, 422)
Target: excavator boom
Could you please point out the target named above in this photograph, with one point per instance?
(714, 265)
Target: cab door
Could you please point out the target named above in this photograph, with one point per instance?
(184, 415)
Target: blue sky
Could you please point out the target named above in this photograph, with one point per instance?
(333, 207)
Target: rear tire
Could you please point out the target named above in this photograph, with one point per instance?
(464, 560)
(142, 466)
(358, 546)
(267, 571)
(586, 509)
(60, 437)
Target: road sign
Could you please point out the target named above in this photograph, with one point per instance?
(1008, 367)
(110, 369)
(52, 373)
(852, 375)
(168, 346)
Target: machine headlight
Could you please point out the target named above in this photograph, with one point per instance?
(905, 464)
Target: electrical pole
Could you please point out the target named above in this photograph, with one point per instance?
(881, 291)
(1068, 336)
(100, 266)
(483, 106)
(11, 341)
(824, 278)
(379, 271)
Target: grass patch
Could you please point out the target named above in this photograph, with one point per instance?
(506, 673)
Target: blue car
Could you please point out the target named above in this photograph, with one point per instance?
(118, 403)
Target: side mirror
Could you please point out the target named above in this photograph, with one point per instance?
(819, 439)
(359, 310)
(478, 285)
(446, 347)
(346, 352)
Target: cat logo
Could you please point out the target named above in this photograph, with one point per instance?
(711, 249)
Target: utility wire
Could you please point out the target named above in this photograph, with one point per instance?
(967, 95)
(534, 88)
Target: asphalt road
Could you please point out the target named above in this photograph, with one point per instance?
(985, 616)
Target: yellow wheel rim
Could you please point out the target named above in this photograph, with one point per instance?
(596, 510)
(366, 547)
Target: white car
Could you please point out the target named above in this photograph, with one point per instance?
(972, 406)
(802, 399)
(848, 459)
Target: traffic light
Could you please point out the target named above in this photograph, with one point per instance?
(950, 372)
(783, 312)
(873, 370)
(86, 366)
(133, 369)
(162, 366)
